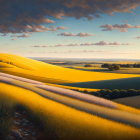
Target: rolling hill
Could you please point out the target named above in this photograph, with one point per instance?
(123, 83)
(65, 113)
(49, 73)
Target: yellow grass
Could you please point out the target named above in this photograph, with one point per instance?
(74, 88)
(5, 65)
(65, 121)
(128, 109)
(69, 123)
(82, 67)
(48, 73)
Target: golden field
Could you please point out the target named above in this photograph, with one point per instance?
(48, 73)
(67, 122)
(68, 118)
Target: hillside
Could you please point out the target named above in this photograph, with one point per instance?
(64, 113)
(123, 83)
(48, 73)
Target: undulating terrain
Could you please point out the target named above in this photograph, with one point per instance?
(54, 107)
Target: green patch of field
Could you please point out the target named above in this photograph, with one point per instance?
(125, 83)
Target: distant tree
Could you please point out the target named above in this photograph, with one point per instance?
(111, 68)
(136, 65)
(114, 67)
(105, 65)
(117, 67)
(88, 65)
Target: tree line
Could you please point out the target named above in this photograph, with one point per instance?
(114, 93)
(121, 65)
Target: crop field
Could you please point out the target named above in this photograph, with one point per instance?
(99, 69)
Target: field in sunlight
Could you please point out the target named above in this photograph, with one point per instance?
(100, 69)
(48, 73)
(48, 93)
(65, 121)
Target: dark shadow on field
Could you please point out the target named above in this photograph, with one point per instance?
(125, 83)
(130, 101)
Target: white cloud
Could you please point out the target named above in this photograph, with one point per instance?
(100, 43)
(120, 28)
(81, 34)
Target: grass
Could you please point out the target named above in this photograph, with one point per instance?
(125, 83)
(131, 101)
(75, 88)
(63, 121)
(48, 73)
(127, 71)
(6, 114)
(100, 69)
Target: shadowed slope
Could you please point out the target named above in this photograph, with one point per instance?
(131, 101)
(126, 83)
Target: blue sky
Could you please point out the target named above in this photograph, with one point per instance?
(56, 45)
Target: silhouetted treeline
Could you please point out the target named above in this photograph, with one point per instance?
(121, 65)
(114, 94)
(88, 65)
(111, 66)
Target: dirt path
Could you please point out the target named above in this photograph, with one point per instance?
(24, 129)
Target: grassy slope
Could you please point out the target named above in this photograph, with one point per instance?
(74, 88)
(126, 83)
(60, 119)
(131, 101)
(50, 73)
(64, 121)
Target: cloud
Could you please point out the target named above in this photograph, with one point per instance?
(66, 34)
(77, 51)
(48, 21)
(39, 46)
(101, 43)
(81, 34)
(24, 35)
(32, 29)
(15, 15)
(13, 39)
(121, 28)
(42, 28)
(62, 28)
(86, 44)
(21, 36)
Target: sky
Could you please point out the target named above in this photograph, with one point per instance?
(71, 29)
